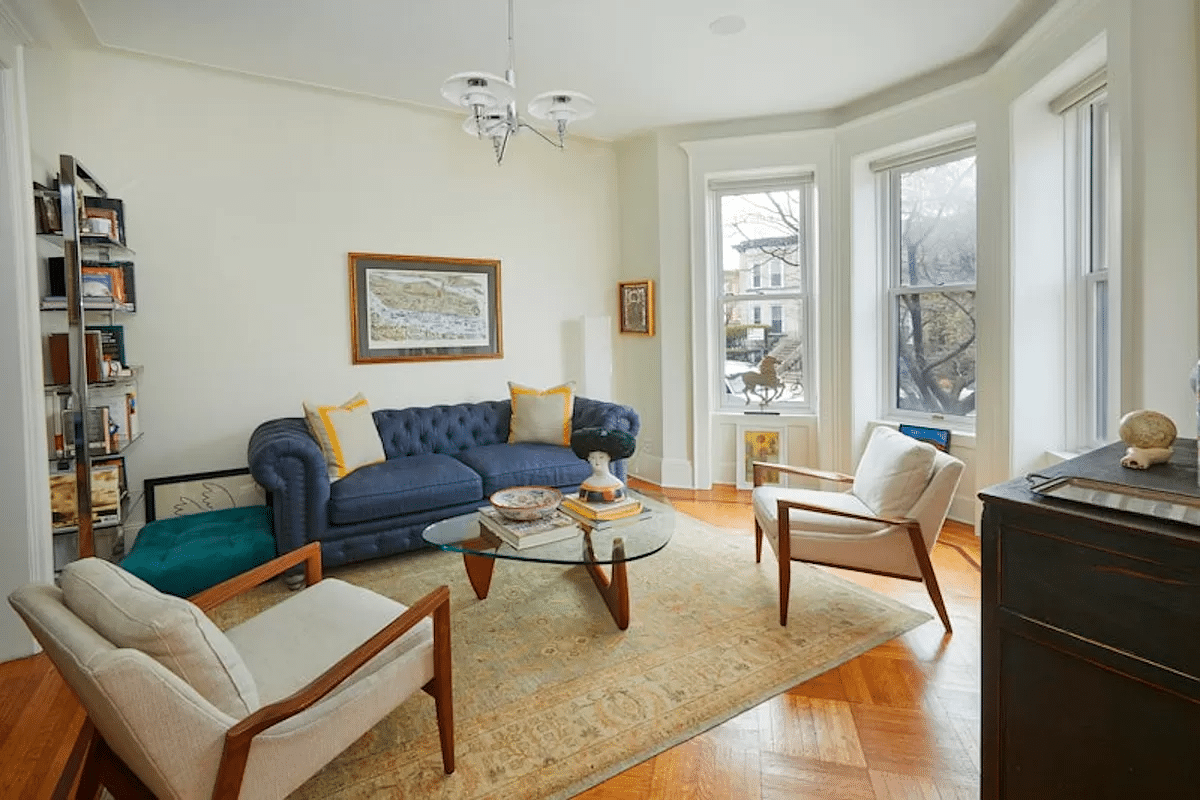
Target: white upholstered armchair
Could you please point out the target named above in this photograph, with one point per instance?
(181, 709)
(886, 523)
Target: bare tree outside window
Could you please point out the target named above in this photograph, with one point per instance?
(765, 292)
(933, 287)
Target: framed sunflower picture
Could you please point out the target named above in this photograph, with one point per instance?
(759, 442)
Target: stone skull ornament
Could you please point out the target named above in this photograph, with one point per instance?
(1149, 435)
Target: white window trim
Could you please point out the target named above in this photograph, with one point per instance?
(715, 188)
(887, 171)
(1082, 409)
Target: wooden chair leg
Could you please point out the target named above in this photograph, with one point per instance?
(104, 768)
(758, 537)
(783, 550)
(89, 773)
(931, 584)
(443, 693)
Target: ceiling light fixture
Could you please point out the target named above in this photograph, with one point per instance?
(493, 105)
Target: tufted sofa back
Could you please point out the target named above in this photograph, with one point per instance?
(442, 429)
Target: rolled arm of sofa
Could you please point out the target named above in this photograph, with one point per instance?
(590, 413)
(287, 462)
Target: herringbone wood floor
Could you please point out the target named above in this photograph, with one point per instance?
(901, 721)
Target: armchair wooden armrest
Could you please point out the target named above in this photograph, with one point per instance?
(240, 736)
(825, 475)
(309, 554)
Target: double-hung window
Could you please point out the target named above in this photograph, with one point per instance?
(763, 240)
(928, 247)
(1091, 380)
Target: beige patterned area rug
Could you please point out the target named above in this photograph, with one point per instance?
(550, 698)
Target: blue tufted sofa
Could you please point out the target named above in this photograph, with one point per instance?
(442, 461)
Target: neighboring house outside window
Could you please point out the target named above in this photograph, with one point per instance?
(928, 230)
(765, 246)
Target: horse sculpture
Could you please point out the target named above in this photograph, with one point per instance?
(764, 383)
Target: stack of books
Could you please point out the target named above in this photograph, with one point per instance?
(528, 533)
(599, 515)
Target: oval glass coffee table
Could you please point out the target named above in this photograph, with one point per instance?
(613, 546)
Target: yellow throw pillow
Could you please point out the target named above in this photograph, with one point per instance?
(541, 416)
(347, 435)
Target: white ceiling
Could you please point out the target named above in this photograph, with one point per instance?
(646, 63)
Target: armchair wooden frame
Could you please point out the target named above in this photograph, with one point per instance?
(912, 526)
(102, 767)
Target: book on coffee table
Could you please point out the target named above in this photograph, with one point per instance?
(601, 512)
(529, 533)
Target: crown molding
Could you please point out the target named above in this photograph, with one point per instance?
(10, 22)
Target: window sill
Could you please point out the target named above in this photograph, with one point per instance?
(799, 416)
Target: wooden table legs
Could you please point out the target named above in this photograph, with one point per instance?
(479, 573)
(615, 591)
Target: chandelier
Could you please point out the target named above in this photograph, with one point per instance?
(491, 101)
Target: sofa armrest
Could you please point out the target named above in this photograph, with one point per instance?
(590, 413)
(287, 462)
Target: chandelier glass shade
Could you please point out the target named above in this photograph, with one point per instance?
(492, 105)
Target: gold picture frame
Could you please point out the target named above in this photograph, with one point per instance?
(423, 308)
(760, 441)
(635, 302)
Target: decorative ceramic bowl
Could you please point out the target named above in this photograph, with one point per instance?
(526, 502)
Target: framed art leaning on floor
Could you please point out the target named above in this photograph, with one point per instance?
(759, 441)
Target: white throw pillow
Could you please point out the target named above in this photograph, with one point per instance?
(893, 472)
(131, 613)
(347, 435)
(539, 416)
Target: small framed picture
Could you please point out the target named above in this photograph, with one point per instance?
(104, 215)
(758, 441)
(103, 281)
(112, 209)
(46, 203)
(635, 300)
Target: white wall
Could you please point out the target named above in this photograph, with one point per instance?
(1152, 88)
(639, 358)
(243, 198)
(24, 498)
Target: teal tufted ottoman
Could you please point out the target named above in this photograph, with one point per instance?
(187, 554)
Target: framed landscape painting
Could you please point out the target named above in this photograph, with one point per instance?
(423, 308)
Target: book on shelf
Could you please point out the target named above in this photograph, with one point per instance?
(121, 402)
(99, 431)
(112, 341)
(627, 506)
(54, 425)
(520, 534)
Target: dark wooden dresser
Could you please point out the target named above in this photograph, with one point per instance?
(1091, 640)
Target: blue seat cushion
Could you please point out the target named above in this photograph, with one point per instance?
(526, 464)
(185, 555)
(400, 486)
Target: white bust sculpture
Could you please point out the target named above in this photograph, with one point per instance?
(600, 446)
